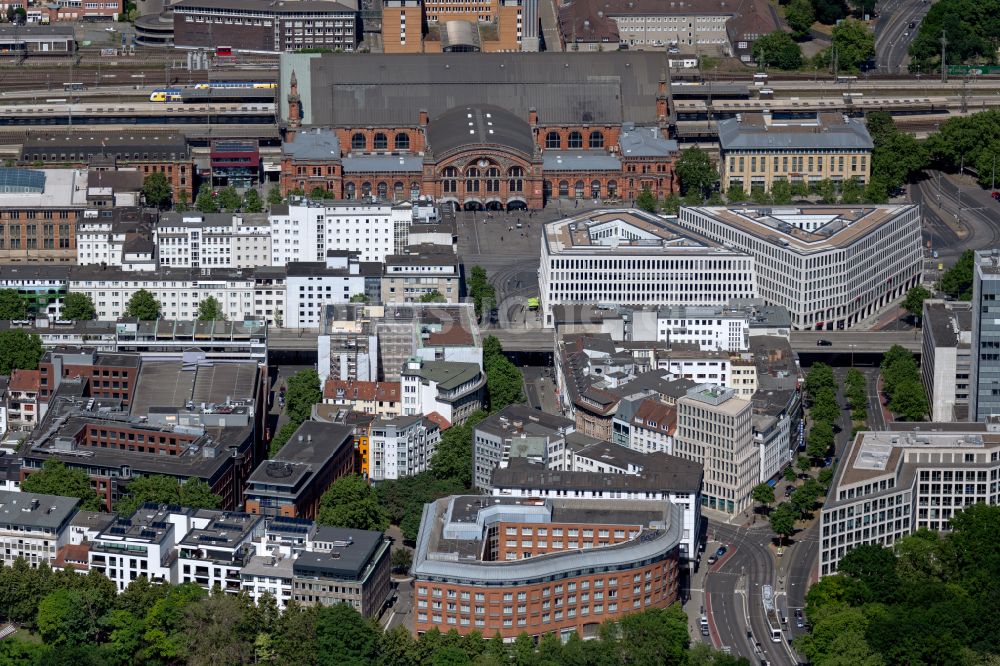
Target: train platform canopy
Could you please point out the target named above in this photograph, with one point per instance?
(388, 90)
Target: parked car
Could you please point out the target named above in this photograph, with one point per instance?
(996, 195)
(721, 551)
(800, 622)
(712, 559)
(824, 343)
(789, 490)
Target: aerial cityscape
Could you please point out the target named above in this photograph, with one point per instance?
(545, 332)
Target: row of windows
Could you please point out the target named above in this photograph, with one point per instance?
(380, 141)
(574, 140)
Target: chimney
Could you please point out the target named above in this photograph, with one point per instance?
(423, 117)
(532, 116)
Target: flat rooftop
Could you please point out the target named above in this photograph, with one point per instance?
(661, 472)
(623, 231)
(175, 384)
(312, 444)
(807, 229)
(225, 529)
(63, 188)
(338, 553)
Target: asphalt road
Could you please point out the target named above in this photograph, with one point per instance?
(893, 34)
(733, 590)
(967, 205)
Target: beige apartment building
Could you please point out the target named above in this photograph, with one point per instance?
(756, 150)
(715, 429)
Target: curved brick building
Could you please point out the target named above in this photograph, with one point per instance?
(493, 131)
(512, 565)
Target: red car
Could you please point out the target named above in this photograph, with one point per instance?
(996, 195)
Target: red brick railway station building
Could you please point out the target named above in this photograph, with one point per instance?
(483, 131)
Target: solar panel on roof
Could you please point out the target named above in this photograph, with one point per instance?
(21, 181)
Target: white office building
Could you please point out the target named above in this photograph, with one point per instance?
(305, 230)
(890, 484)
(213, 552)
(34, 526)
(119, 237)
(213, 240)
(312, 285)
(179, 290)
(629, 257)
(831, 266)
(401, 446)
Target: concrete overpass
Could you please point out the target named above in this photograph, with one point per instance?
(541, 340)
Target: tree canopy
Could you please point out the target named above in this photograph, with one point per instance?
(143, 306)
(972, 30)
(695, 171)
(158, 489)
(914, 301)
(209, 309)
(19, 350)
(156, 189)
(853, 43)
(901, 382)
(504, 382)
(896, 155)
(778, 49)
(433, 296)
(78, 307)
(12, 306)
(921, 601)
(646, 200)
(229, 199)
(55, 478)
(252, 202)
(800, 15)
(956, 282)
(970, 140)
(206, 201)
(350, 502)
(482, 293)
(303, 392)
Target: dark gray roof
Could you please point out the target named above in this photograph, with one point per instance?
(268, 6)
(833, 131)
(645, 142)
(51, 512)
(316, 144)
(534, 421)
(347, 561)
(479, 124)
(388, 90)
(382, 163)
(580, 160)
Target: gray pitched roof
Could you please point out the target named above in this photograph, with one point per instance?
(750, 132)
(315, 144)
(481, 123)
(382, 163)
(390, 89)
(579, 160)
(645, 142)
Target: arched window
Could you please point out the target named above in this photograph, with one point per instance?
(383, 190)
(358, 141)
(612, 189)
(381, 141)
(493, 179)
(366, 189)
(450, 180)
(578, 189)
(402, 141)
(547, 189)
(350, 191)
(552, 140)
(596, 139)
(515, 184)
(472, 179)
(563, 188)
(575, 140)
(397, 190)
(595, 189)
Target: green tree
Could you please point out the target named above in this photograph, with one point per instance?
(403, 499)
(209, 309)
(452, 460)
(877, 191)
(825, 406)
(789, 474)
(281, 437)
(78, 307)
(914, 301)
(896, 155)
(736, 194)
(820, 440)
(156, 190)
(274, 196)
(303, 392)
(319, 193)
(760, 196)
(56, 479)
(854, 43)
(782, 520)
(160, 489)
(434, 296)
(802, 464)
(909, 402)
(11, 305)
(62, 619)
(695, 171)
(166, 639)
(800, 16)
(827, 191)
(656, 637)
(219, 629)
(143, 306)
(480, 290)
(350, 502)
(206, 201)
(777, 49)
(402, 558)
(504, 382)
(252, 202)
(763, 494)
(875, 567)
(229, 199)
(182, 203)
(672, 204)
(956, 282)
(359, 298)
(19, 350)
(781, 192)
(344, 637)
(197, 494)
(829, 12)
(851, 191)
(646, 201)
